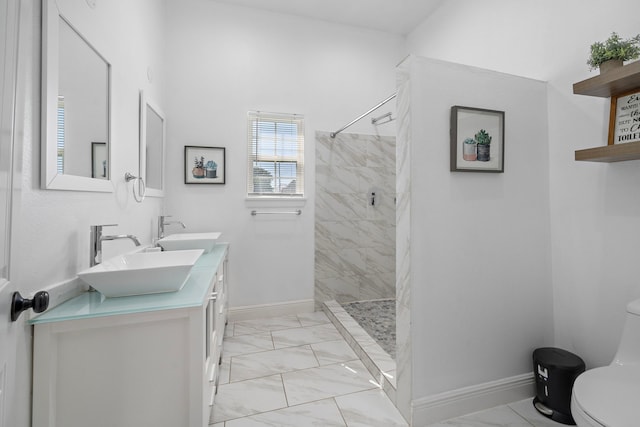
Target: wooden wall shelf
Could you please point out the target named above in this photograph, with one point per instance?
(610, 153)
(614, 82)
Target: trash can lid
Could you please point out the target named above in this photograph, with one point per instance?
(558, 358)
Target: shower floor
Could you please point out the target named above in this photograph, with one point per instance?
(378, 318)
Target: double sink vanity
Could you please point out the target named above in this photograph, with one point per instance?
(144, 349)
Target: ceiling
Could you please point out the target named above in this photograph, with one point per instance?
(392, 16)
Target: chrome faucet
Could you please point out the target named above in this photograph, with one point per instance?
(162, 222)
(96, 238)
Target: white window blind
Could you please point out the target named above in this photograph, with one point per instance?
(60, 136)
(276, 154)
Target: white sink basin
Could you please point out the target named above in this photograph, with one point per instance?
(141, 273)
(182, 241)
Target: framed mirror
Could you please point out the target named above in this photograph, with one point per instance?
(76, 100)
(152, 146)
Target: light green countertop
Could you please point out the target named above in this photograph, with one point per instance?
(94, 304)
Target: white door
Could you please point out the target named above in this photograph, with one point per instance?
(8, 329)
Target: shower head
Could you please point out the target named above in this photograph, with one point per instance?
(387, 116)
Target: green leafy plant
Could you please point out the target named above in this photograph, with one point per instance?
(469, 141)
(199, 163)
(614, 48)
(483, 137)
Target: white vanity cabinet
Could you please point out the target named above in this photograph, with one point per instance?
(216, 319)
(149, 360)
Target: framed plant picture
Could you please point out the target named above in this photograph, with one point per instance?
(204, 165)
(99, 155)
(477, 140)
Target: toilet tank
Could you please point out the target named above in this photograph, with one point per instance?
(629, 348)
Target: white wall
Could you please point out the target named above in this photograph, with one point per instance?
(225, 60)
(480, 242)
(594, 207)
(54, 225)
(50, 233)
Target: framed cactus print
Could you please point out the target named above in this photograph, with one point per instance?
(477, 140)
(204, 165)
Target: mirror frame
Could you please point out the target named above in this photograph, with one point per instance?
(144, 103)
(49, 177)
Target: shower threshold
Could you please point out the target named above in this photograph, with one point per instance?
(378, 362)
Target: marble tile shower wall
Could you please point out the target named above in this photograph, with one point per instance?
(355, 254)
(404, 378)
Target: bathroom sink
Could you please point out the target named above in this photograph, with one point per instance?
(182, 241)
(141, 273)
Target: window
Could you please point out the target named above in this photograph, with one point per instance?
(276, 154)
(60, 136)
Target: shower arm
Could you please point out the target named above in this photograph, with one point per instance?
(333, 134)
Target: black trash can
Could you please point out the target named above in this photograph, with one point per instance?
(555, 371)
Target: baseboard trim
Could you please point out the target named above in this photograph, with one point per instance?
(262, 311)
(439, 407)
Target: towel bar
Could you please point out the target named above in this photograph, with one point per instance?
(296, 212)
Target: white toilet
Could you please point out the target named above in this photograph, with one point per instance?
(610, 396)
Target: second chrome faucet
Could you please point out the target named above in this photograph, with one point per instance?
(162, 221)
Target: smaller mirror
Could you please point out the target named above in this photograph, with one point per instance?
(152, 145)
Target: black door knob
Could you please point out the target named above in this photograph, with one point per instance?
(39, 303)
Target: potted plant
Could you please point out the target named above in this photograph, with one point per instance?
(469, 150)
(613, 52)
(198, 169)
(484, 145)
(211, 169)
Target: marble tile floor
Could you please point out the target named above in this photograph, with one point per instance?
(298, 371)
(517, 414)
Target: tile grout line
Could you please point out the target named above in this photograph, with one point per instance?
(521, 416)
(284, 391)
(340, 411)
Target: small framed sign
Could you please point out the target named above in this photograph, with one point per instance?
(624, 118)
